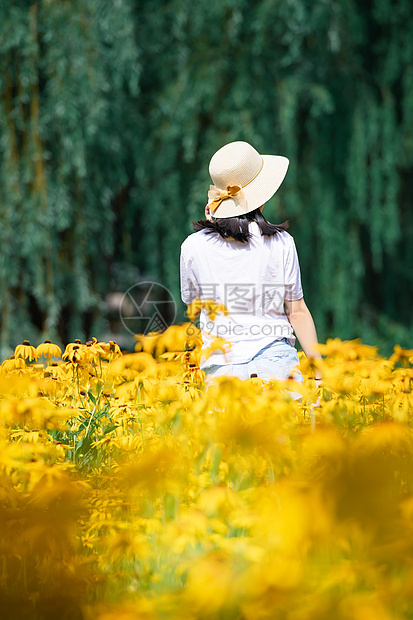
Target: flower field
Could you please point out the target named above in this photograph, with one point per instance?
(129, 491)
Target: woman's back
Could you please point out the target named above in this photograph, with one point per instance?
(251, 279)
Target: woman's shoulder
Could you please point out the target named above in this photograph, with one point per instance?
(284, 238)
(193, 238)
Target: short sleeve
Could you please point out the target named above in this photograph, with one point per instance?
(293, 288)
(188, 280)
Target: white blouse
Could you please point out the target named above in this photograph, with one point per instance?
(251, 279)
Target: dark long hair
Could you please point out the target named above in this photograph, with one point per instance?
(237, 227)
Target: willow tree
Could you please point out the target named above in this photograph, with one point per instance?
(110, 114)
(68, 80)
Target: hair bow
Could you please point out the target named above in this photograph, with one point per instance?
(216, 196)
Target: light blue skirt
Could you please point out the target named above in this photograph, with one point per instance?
(275, 361)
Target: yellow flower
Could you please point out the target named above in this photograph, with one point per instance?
(403, 356)
(194, 374)
(26, 351)
(110, 349)
(173, 339)
(57, 371)
(49, 350)
(147, 343)
(115, 349)
(72, 353)
(211, 585)
(12, 363)
(194, 309)
(217, 344)
(137, 362)
(212, 308)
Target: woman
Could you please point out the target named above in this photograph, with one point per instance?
(239, 259)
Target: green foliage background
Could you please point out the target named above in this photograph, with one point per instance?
(111, 110)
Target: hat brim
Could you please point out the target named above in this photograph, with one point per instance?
(261, 189)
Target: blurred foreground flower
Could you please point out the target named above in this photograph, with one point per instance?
(127, 490)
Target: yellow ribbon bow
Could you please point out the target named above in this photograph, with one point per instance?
(216, 196)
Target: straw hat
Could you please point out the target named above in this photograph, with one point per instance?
(243, 179)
